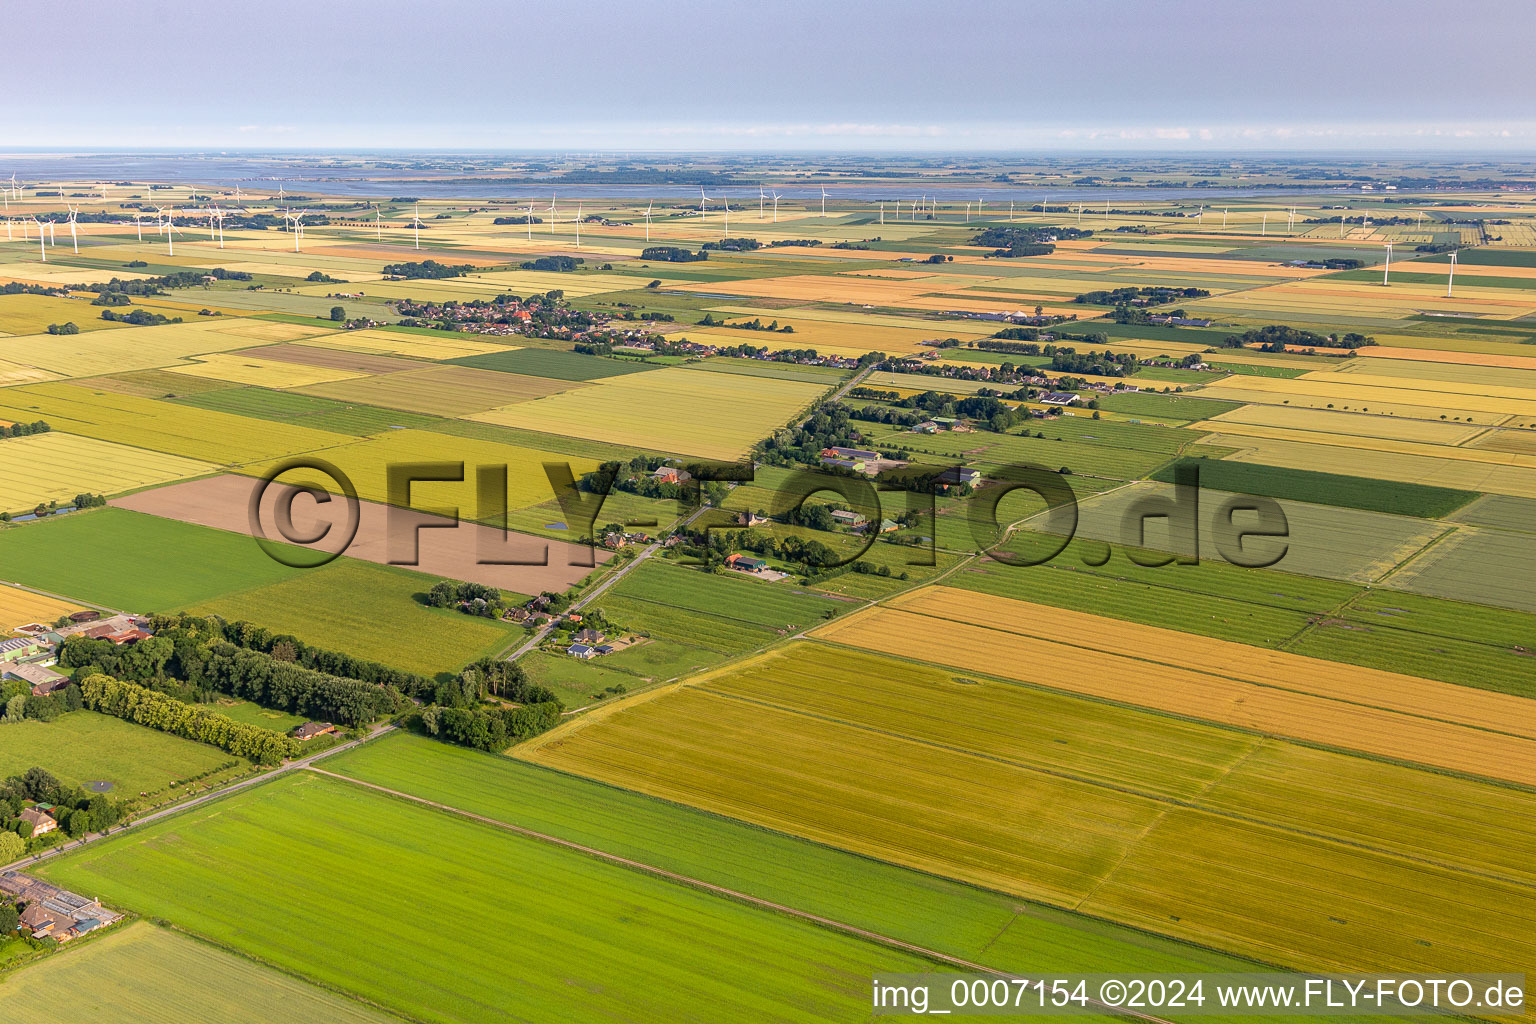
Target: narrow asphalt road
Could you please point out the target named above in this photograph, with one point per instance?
(165, 812)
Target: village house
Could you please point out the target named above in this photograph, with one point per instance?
(586, 652)
(750, 519)
(41, 821)
(310, 730)
(671, 475)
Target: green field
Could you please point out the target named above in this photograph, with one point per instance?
(142, 973)
(724, 613)
(1485, 566)
(1173, 407)
(308, 410)
(1392, 497)
(1106, 448)
(83, 746)
(937, 914)
(368, 610)
(352, 889)
(255, 714)
(133, 561)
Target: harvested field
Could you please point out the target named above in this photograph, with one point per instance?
(553, 364)
(422, 345)
(383, 534)
(130, 348)
(1379, 713)
(334, 359)
(1346, 424)
(1482, 566)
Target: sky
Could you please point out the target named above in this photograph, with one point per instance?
(791, 75)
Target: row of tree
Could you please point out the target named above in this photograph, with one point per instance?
(156, 710)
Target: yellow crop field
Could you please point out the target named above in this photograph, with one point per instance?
(1339, 425)
(526, 282)
(31, 314)
(1430, 355)
(270, 373)
(1125, 814)
(202, 434)
(58, 466)
(401, 343)
(714, 415)
(1382, 713)
(17, 373)
(1519, 442)
(19, 607)
(443, 390)
(1427, 465)
(956, 329)
(849, 287)
(130, 348)
(366, 462)
(1362, 389)
(274, 331)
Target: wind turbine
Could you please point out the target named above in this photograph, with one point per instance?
(1200, 216)
(1010, 211)
(42, 244)
(776, 198)
(726, 201)
(170, 233)
(648, 220)
(761, 200)
(298, 230)
(138, 228)
(1450, 277)
(416, 225)
(209, 211)
(378, 222)
(1079, 214)
(1106, 209)
(552, 214)
(823, 200)
(578, 223)
(1224, 220)
(219, 216)
(702, 198)
(882, 214)
(529, 224)
(1388, 268)
(1264, 228)
(73, 238)
(967, 211)
(978, 208)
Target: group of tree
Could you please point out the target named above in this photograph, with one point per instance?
(470, 598)
(1281, 338)
(734, 245)
(156, 710)
(556, 264)
(1150, 295)
(755, 324)
(518, 218)
(117, 291)
(1012, 242)
(140, 318)
(69, 327)
(672, 254)
(427, 269)
(20, 704)
(23, 429)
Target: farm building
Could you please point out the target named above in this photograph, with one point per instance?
(852, 454)
(959, 475)
(310, 730)
(585, 652)
(671, 475)
(42, 679)
(843, 517)
(1059, 398)
(17, 648)
(745, 564)
(52, 912)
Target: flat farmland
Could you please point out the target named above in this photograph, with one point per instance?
(1349, 424)
(1323, 488)
(552, 364)
(125, 560)
(857, 755)
(20, 607)
(466, 551)
(1363, 391)
(83, 746)
(244, 368)
(366, 462)
(949, 917)
(367, 610)
(418, 345)
(1483, 566)
(130, 348)
(139, 973)
(1334, 543)
(201, 434)
(312, 874)
(1434, 465)
(335, 358)
(714, 415)
(31, 314)
(1379, 713)
(18, 373)
(442, 390)
(1103, 448)
(56, 466)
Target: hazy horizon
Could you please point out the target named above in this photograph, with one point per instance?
(1098, 76)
